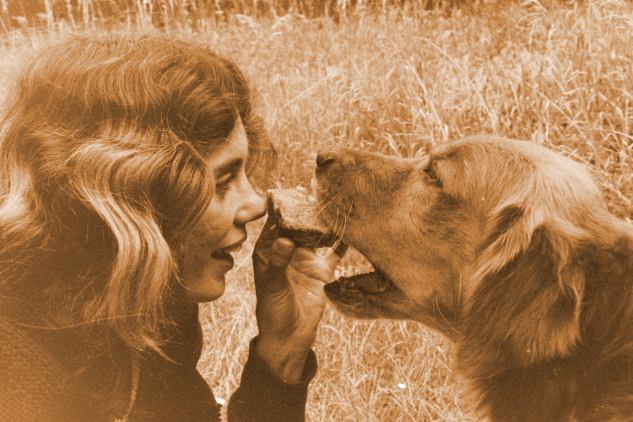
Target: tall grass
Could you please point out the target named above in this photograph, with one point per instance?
(187, 14)
(400, 82)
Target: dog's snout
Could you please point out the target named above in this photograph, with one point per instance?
(325, 159)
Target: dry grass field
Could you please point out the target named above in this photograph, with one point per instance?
(399, 81)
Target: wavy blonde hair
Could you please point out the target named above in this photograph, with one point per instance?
(102, 169)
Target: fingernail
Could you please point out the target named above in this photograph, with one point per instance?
(283, 246)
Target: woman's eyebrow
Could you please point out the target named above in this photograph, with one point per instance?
(231, 166)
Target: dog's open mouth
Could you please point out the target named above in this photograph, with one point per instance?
(373, 283)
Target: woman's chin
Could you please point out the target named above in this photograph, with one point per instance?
(207, 289)
(206, 295)
(206, 283)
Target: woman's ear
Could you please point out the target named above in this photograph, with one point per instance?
(527, 310)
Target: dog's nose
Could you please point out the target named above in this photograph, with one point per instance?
(328, 157)
(324, 159)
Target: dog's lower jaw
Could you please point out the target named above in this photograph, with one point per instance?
(365, 296)
(394, 305)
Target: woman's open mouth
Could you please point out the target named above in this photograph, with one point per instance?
(224, 254)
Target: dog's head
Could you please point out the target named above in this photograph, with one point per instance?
(481, 239)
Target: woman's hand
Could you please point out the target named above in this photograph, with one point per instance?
(290, 300)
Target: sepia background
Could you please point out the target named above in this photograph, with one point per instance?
(396, 77)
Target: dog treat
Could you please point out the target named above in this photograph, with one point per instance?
(297, 218)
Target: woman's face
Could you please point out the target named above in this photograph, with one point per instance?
(222, 228)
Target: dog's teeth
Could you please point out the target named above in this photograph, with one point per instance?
(376, 284)
(370, 283)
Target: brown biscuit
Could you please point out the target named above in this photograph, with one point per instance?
(297, 218)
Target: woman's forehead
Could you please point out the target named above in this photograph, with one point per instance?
(233, 150)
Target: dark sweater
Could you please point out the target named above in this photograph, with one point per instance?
(52, 376)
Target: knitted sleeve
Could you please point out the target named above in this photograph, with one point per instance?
(263, 397)
(171, 390)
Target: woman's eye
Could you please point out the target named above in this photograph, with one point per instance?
(223, 183)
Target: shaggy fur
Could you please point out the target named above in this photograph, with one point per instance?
(506, 248)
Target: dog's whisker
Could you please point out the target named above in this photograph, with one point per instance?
(333, 225)
(339, 232)
(340, 229)
(322, 205)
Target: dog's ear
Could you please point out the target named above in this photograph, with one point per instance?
(525, 306)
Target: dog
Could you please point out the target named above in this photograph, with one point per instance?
(506, 248)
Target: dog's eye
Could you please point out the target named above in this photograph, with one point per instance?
(430, 171)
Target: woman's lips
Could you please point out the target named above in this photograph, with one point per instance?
(224, 254)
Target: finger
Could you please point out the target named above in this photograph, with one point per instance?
(279, 257)
(301, 189)
(263, 247)
(312, 265)
(267, 236)
(333, 256)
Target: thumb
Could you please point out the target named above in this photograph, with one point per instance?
(273, 278)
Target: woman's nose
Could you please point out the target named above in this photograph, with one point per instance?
(253, 207)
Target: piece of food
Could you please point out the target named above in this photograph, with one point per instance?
(297, 218)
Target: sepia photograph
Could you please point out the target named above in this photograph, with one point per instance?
(316, 211)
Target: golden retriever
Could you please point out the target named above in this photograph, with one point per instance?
(507, 248)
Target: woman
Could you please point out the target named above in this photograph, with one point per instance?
(125, 176)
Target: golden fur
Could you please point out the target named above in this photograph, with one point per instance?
(506, 248)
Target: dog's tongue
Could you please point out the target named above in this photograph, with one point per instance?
(370, 283)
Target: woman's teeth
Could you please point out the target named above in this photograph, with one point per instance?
(232, 249)
(222, 253)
